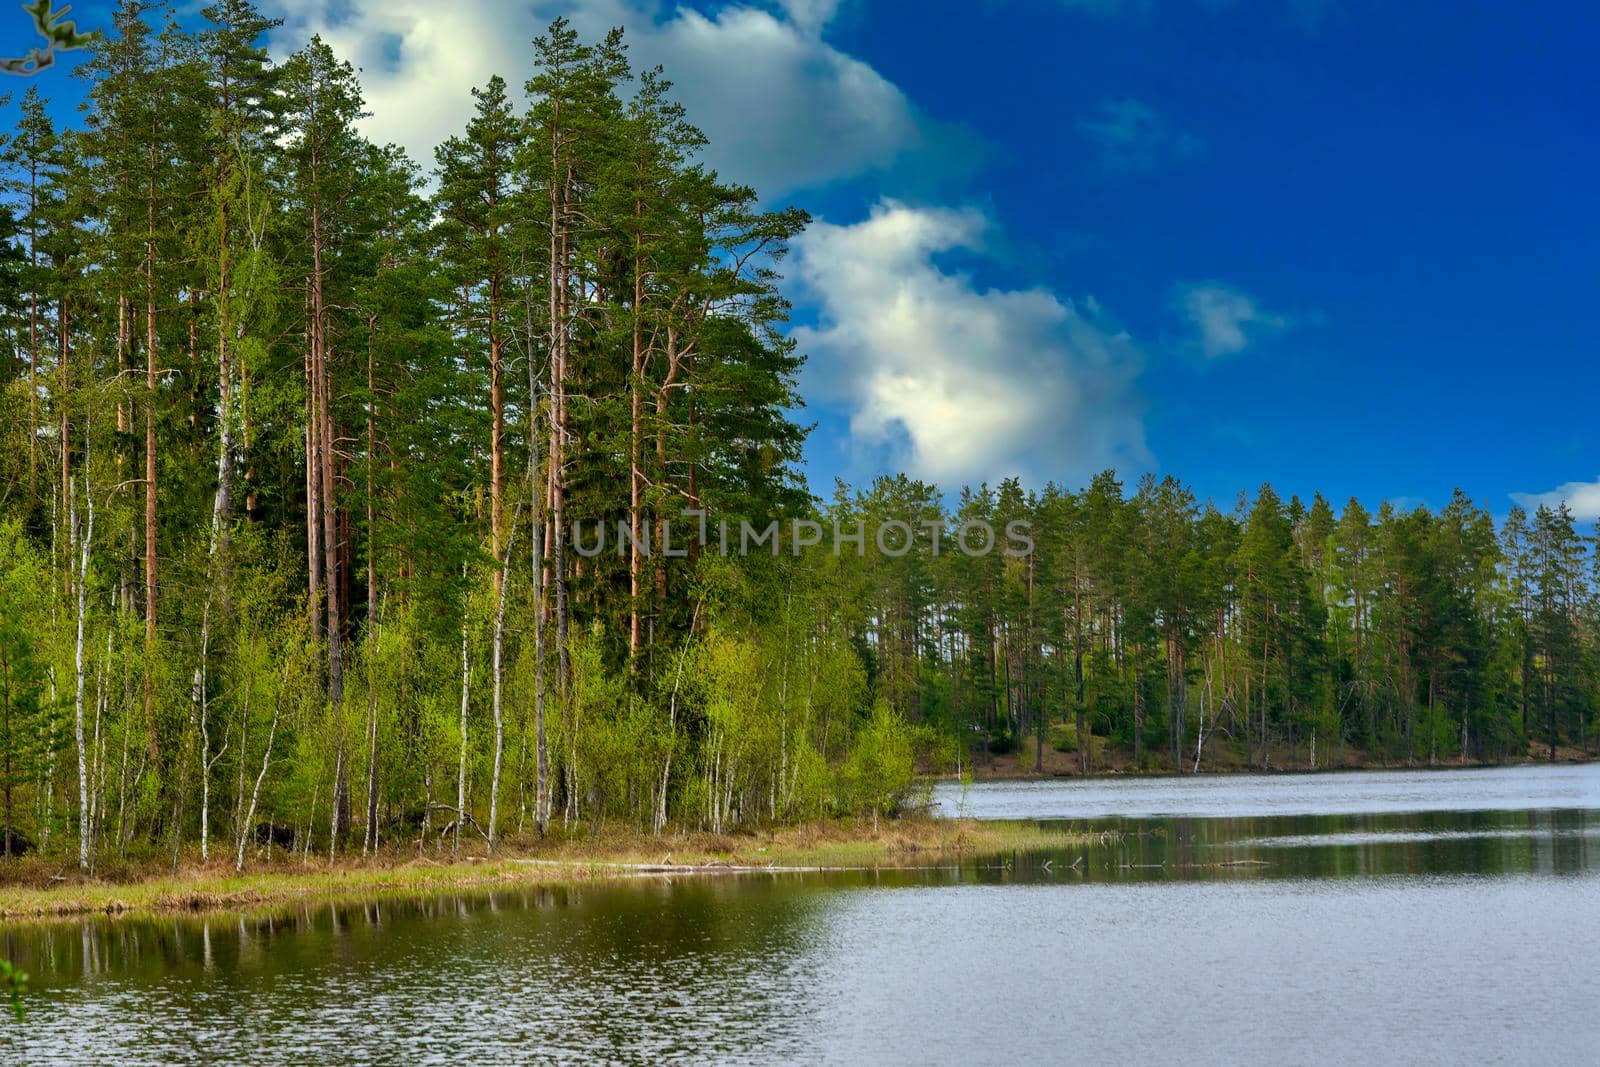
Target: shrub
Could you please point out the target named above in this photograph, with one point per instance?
(882, 765)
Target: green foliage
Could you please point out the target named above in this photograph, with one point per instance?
(25, 738)
(882, 765)
(1064, 737)
(16, 984)
(60, 35)
(375, 407)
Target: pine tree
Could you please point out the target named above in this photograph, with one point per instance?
(1558, 579)
(322, 104)
(241, 119)
(479, 200)
(34, 156)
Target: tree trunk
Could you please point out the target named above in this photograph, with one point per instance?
(503, 579)
(369, 839)
(266, 760)
(461, 767)
(327, 490)
(374, 614)
(85, 545)
(313, 387)
(1085, 735)
(636, 523)
(1178, 702)
(541, 791)
(206, 759)
(497, 404)
(222, 507)
(150, 362)
(559, 176)
(33, 368)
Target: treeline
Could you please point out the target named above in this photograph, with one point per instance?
(296, 436)
(1271, 634)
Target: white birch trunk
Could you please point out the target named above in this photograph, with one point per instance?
(207, 761)
(461, 771)
(338, 777)
(369, 837)
(83, 590)
(255, 794)
(672, 726)
(499, 680)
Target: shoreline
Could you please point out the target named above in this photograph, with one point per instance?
(1007, 769)
(909, 842)
(45, 888)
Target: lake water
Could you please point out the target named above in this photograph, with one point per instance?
(1528, 788)
(1439, 917)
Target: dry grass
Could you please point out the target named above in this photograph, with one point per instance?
(36, 888)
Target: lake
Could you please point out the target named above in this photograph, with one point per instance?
(1393, 917)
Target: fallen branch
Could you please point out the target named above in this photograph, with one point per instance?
(461, 816)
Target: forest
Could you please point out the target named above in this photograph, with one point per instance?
(301, 439)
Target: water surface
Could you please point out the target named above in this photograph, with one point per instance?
(1325, 793)
(1390, 933)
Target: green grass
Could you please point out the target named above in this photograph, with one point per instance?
(906, 842)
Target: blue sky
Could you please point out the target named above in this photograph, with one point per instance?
(1339, 245)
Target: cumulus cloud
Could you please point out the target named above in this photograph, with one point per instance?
(1132, 137)
(810, 15)
(784, 109)
(956, 382)
(1225, 320)
(1582, 497)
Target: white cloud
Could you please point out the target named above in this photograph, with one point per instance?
(1226, 320)
(956, 382)
(810, 15)
(1131, 137)
(783, 108)
(1582, 497)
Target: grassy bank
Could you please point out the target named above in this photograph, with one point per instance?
(41, 888)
